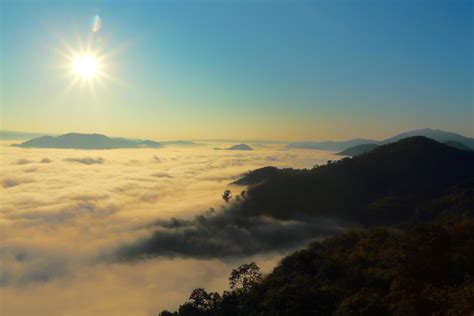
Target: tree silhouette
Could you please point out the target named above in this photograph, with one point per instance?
(204, 301)
(227, 196)
(245, 277)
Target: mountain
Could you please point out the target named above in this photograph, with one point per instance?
(96, 141)
(438, 135)
(331, 145)
(85, 141)
(364, 148)
(385, 185)
(357, 150)
(240, 147)
(416, 199)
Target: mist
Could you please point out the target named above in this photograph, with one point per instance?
(133, 225)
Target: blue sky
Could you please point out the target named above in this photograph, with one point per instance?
(282, 70)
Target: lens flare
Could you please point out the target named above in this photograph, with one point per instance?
(97, 24)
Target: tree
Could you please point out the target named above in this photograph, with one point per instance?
(204, 301)
(245, 277)
(227, 196)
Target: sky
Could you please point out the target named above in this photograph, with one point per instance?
(273, 70)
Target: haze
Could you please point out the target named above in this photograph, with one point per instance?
(191, 95)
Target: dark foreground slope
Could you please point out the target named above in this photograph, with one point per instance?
(423, 269)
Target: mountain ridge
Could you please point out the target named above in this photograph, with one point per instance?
(435, 134)
(355, 187)
(364, 148)
(95, 141)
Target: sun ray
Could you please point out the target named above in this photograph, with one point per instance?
(87, 66)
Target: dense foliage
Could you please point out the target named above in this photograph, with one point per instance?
(424, 269)
(384, 186)
(416, 259)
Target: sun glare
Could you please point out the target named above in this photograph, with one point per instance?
(85, 66)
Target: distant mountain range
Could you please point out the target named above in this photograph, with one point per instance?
(95, 141)
(438, 135)
(99, 141)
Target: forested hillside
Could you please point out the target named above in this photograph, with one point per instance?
(421, 269)
(415, 256)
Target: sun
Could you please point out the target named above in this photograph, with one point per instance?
(85, 66)
(88, 64)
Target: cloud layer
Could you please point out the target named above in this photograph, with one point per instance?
(63, 211)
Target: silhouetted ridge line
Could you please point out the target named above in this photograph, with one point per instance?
(438, 135)
(357, 188)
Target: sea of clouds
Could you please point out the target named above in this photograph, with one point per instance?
(67, 215)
